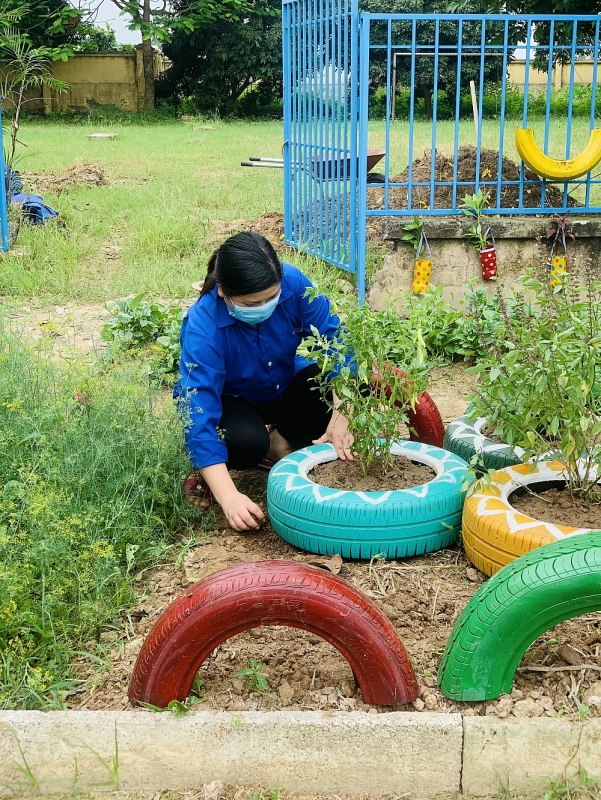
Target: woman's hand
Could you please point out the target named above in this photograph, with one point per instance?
(338, 433)
(240, 511)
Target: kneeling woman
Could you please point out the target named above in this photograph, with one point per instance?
(250, 398)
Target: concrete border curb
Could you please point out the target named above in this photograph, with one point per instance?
(328, 753)
(422, 755)
(523, 754)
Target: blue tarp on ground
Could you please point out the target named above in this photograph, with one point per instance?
(34, 208)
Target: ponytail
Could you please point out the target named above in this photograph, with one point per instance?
(210, 279)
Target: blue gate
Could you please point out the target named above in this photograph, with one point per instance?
(334, 57)
(321, 104)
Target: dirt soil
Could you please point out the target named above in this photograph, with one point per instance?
(76, 174)
(466, 171)
(422, 597)
(403, 474)
(558, 506)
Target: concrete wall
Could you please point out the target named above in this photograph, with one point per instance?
(114, 79)
(583, 73)
(520, 245)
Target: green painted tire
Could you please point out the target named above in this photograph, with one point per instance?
(400, 523)
(464, 438)
(556, 582)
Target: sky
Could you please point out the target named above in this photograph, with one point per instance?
(108, 12)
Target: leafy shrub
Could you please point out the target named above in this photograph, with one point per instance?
(371, 341)
(539, 389)
(90, 493)
(450, 333)
(146, 328)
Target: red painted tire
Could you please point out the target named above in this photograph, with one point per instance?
(259, 593)
(425, 423)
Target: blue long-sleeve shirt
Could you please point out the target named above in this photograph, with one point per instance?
(224, 356)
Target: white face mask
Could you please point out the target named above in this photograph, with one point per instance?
(254, 314)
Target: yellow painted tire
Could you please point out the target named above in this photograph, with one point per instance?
(556, 169)
(494, 532)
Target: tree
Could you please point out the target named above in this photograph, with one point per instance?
(425, 33)
(542, 30)
(159, 20)
(57, 26)
(216, 63)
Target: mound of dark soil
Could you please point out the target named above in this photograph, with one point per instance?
(466, 171)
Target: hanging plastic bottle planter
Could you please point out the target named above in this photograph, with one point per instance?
(558, 261)
(488, 259)
(482, 239)
(422, 271)
(423, 267)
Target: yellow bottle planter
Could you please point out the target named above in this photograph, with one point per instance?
(421, 275)
(556, 169)
(558, 270)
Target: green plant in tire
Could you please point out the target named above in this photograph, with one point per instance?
(537, 383)
(256, 678)
(371, 343)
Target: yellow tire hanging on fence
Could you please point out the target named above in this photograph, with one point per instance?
(555, 169)
(494, 532)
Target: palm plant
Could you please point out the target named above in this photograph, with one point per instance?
(25, 68)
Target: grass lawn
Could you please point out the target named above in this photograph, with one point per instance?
(166, 184)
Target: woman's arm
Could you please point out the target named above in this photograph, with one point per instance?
(240, 511)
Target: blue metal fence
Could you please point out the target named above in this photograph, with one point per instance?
(4, 237)
(335, 58)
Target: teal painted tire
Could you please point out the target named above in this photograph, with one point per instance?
(404, 522)
(464, 438)
(553, 583)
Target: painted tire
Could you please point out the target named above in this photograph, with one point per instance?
(399, 523)
(464, 438)
(262, 593)
(494, 532)
(425, 422)
(537, 591)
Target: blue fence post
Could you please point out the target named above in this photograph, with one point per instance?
(5, 244)
(288, 100)
(362, 159)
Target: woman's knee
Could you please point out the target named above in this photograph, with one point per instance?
(244, 433)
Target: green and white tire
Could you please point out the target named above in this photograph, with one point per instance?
(395, 524)
(464, 437)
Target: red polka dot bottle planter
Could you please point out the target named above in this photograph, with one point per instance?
(488, 262)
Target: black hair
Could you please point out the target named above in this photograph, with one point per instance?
(244, 264)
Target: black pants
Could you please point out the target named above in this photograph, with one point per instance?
(302, 415)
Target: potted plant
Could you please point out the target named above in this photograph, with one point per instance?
(377, 370)
(480, 234)
(414, 234)
(556, 235)
(539, 392)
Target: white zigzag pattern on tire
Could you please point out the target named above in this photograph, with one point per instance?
(542, 472)
(419, 491)
(515, 526)
(467, 433)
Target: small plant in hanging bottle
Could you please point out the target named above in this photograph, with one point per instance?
(480, 234)
(557, 235)
(422, 271)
